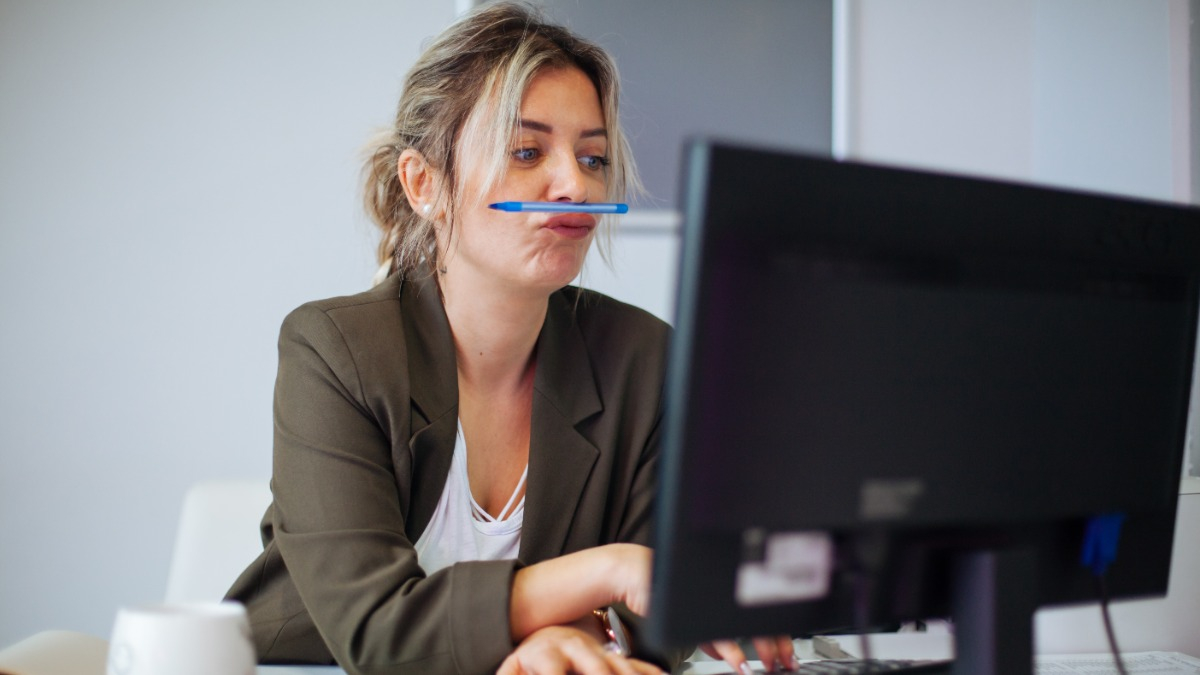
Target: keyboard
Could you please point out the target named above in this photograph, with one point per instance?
(864, 667)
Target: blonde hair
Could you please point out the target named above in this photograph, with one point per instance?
(465, 91)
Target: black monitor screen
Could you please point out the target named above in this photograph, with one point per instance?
(945, 363)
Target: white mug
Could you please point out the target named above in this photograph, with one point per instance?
(182, 639)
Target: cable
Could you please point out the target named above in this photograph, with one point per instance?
(1102, 590)
(1099, 551)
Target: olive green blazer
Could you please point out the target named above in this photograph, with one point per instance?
(366, 412)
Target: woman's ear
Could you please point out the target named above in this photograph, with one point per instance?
(419, 181)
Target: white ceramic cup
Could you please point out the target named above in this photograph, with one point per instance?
(182, 639)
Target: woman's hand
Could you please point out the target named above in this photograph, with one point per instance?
(558, 650)
(775, 653)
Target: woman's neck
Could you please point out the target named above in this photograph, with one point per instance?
(495, 331)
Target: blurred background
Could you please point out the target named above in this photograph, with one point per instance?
(175, 177)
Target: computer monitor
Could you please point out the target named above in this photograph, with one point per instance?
(896, 394)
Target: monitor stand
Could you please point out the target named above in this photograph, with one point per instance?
(993, 601)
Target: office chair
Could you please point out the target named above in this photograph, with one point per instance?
(217, 538)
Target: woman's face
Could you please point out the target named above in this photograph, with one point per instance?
(559, 154)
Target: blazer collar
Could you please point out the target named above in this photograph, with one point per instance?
(432, 364)
(564, 370)
(565, 394)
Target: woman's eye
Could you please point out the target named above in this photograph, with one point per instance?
(525, 154)
(594, 162)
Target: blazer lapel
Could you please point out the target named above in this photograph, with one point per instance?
(432, 448)
(433, 390)
(560, 458)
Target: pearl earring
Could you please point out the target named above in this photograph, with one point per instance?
(426, 209)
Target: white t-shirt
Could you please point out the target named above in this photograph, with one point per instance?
(460, 530)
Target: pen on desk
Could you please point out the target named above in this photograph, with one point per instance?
(559, 207)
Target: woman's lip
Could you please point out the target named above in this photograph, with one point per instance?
(572, 220)
(572, 225)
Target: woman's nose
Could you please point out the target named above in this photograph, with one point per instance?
(568, 182)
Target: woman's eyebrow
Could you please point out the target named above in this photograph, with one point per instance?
(534, 125)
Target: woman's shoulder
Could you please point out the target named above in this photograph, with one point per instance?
(592, 304)
(360, 319)
(605, 320)
(378, 298)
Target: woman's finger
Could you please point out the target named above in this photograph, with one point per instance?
(617, 664)
(511, 666)
(776, 652)
(729, 652)
(787, 652)
(586, 657)
(711, 648)
(623, 665)
(768, 653)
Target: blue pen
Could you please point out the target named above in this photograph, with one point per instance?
(559, 207)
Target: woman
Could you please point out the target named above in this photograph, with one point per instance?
(465, 455)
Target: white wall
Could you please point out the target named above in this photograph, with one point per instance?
(1084, 93)
(174, 177)
(941, 83)
(1106, 112)
(1091, 94)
